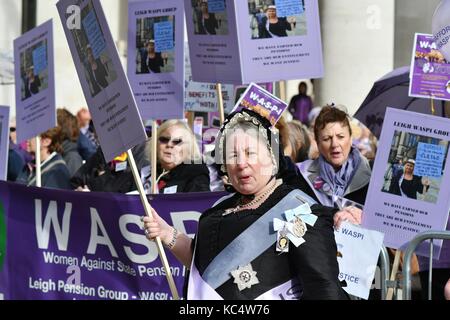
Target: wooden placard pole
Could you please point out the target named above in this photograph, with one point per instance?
(148, 212)
(220, 102)
(282, 90)
(38, 162)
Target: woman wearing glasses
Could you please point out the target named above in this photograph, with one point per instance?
(179, 162)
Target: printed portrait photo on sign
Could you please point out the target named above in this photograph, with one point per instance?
(277, 18)
(34, 69)
(155, 42)
(210, 17)
(415, 166)
(92, 51)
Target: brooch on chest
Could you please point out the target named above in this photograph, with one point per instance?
(245, 277)
(294, 228)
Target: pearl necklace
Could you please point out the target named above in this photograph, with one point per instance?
(255, 201)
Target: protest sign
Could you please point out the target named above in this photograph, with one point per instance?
(429, 160)
(215, 6)
(35, 82)
(400, 203)
(4, 141)
(108, 94)
(263, 102)
(156, 57)
(263, 51)
(79, 245)
(94, 34)
(286, 8)
(430, 72)
(202, 97)
(358, 252)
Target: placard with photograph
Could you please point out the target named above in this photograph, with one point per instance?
(407, 192)
(264, 41)
(117, 121)
(156, 57)
(35, 82)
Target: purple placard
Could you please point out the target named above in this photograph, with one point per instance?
(108, 94)
(99, 234)
(430, 72)
(4, 141)
(213, 44)
(263, 102)
(392, 209)
(201, 96)
(35, 84)
(157, 78)
(278, 53)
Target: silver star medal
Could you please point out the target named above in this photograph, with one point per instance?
(282, 240)
(245, 277)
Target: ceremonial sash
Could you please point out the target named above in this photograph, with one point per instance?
(198, 289)
(244, 249)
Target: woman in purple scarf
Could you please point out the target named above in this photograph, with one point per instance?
(340, 173)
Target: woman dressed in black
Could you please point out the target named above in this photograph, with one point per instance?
(207, 22)
(407, 184)
(266, 241)
(272, 26)
(97, 71)
(151, 61)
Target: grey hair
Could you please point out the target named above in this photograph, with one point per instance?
(249, 124)
(190, 145)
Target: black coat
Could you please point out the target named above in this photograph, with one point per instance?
(186, 178)
(54, 174)
(314, 263)
(410, 190)
(98, 176)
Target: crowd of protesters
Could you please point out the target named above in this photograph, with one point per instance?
(325, 153)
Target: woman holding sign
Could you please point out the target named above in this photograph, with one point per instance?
(251, 244)
(207, 22)
(405, 183)
(340, 172)
(272, 26)
(32, 83)
(97, 72)
(151, 61)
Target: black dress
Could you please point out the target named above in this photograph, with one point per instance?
(207, 26)
(408, 187)
(277, 29)
(186, 178)
(153, 65)
(313, 264)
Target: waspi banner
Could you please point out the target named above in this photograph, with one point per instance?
(70, 245)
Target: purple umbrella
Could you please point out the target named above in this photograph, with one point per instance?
(392, 91)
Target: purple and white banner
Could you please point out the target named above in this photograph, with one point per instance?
(430, 72)
(35, 82)
(4, 141)
(409, 191)
(118, 125)
(74, 245)
(156, 57)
